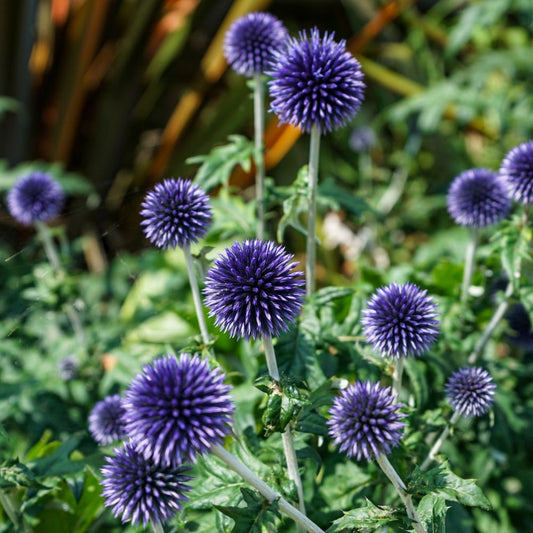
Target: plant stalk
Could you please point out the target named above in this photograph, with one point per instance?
(270, 494)
(439, 442)
(401, 489)
(310, 267)
(469, 264)
(196, 295)
(259, 127)
(157, 527)
(397, 376)
(287, 436)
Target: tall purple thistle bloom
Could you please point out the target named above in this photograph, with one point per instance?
(106, 420)
(252, 41)
(316, 81)
(400, 320)
(365, 420)
(177, 409)
(477, 198)
(35, 197)
(517, 170)
(470, 391)
(176, 213)
(252, 289)
(140, 491)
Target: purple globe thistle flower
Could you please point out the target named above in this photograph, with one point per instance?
(106, 421)
(175, 213)
(362, 139)
(477, 198)
(68, 368)
(35, 197)
(365, 420)
(141, 491)
(316, 81)
(252, 41)
(517, 170)
(177, 408)
(401, 320)
(470, 390)
(252, 290)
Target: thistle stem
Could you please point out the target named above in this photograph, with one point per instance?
(270, 494)
(439, 442)
(259, 126)
(196, 295)
(401, 489)
(287, 436)
(53, 259)
(157, 527)
(314, 150)
(397, 376)
(469, 264)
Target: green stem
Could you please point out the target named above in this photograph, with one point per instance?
(314, 150)
(397, 376)
(259, 127)
(439, 442)
(270, 494)
(469, 265)
(157, 527)
(196, 295)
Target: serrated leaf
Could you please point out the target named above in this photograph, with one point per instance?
(369, 516)
(441, 481)
(432, 513)
(296, 204)
(15, 474)
(217, 166)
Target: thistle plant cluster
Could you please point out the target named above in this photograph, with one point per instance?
(341, 388)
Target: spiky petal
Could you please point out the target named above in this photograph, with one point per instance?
(470, 391)
(252, 289)
(316, 81)
(106, 421)
(177, 409)
(517, 170)
(140, 491)
(400, 320)
(365, 420)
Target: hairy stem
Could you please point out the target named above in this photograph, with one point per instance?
(469, 265)
(401, 489)
(287, 436)
(397, 376)
(259, 126)
(314, 150)
(270, 494)
(439, 442)
(196, 295)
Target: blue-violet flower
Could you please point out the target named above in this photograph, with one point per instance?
(177, 408)
(400, 320)
(252, 289)
(68, 368)
(106, 420)
(470, 391)
(517, 170)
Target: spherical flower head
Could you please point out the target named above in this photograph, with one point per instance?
(106, 421)
(253, 291)
(140, 491)
(470, 391)
(362, 139)
(517, 170)
(400, 320)
(178, 408)
(365, 420)
(316, 81)
(252, 41)
(477, 198)
(68, 368)
(35, 197)
(176, 213)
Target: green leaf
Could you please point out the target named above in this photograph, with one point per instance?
(330, 195)
(217, 166)
(441, 481)
(432, 513)
(416, 370)
(296, 204)
(58, 463)
(9, 104)
(15, 474)
(369, 516)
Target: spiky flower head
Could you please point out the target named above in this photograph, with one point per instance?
(362, 139)
(400, 320)
(252, 41)
(177, 408)
(316, 81)
(68, 368)
(35, 197)
(252, 289)
(176, 213)
(106, 421)
(365, 420)
(477, 198)
(517, 170)
(470, 391)
(140, 491)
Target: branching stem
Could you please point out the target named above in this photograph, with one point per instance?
(439, 442)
